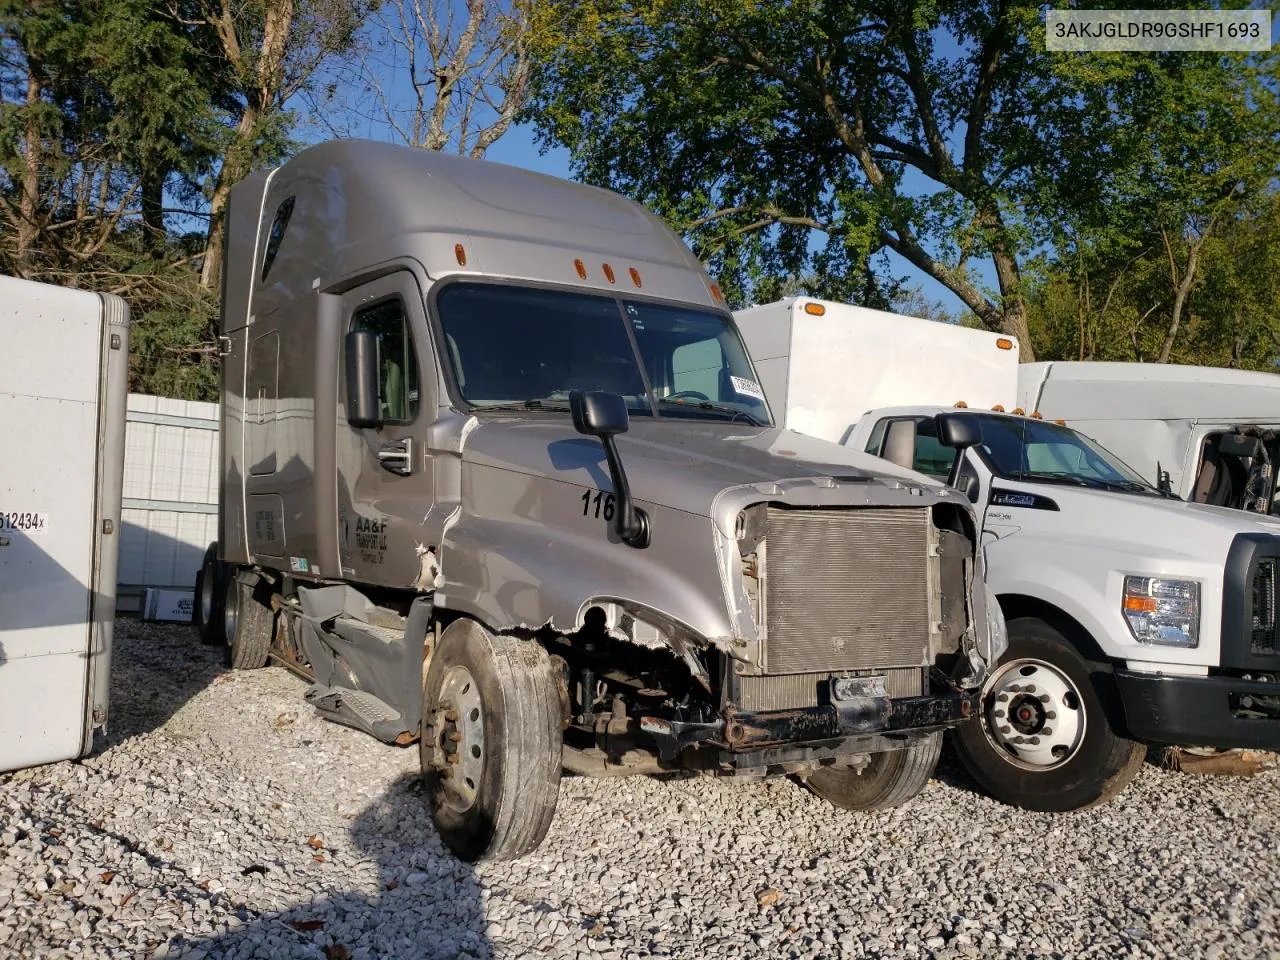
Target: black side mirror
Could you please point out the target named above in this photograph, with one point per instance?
(361, 349)
(599, 414)
(604, 415)
(959, 432)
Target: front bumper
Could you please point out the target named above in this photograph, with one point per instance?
(746, 740)
(1220, 712)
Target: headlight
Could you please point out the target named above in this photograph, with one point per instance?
(1163, 611)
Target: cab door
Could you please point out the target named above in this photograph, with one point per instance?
(385, 473)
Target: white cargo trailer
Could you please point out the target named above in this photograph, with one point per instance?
(63, 377)
(822, 365)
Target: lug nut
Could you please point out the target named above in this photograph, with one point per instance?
(1003, 698)
(1029, 688)
(1050, 715)
(997, 713)
(452, 758)
(451, 715)
(1005, 728)
(454, 736)
(1044, 698)
(1035, 741)
(446, 773)
(1046, 732)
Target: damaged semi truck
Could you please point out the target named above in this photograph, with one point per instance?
(499, 479)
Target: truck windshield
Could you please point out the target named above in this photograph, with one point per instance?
(1025, 449)
(522, 348)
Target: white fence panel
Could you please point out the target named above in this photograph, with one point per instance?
(170, 509)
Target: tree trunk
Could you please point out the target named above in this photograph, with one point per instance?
(28, 227)
(260, 99)
(1014, 316)
(1179, 301)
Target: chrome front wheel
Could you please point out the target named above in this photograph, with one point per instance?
(1034, 713)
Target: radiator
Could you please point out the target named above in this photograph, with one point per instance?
(847, 589)
(798, 690)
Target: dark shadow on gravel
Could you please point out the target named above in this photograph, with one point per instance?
(427, 904)
(155, 669)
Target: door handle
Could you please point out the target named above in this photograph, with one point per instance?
(397, 456)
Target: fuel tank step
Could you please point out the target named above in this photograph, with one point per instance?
(361, 710)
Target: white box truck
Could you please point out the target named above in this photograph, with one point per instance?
(1212, 434)
(63, 377)
(1134, 618)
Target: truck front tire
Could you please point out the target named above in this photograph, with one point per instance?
(207, 613)
(492, 742)
(247, 626)
(1043, 739)
(889, 780)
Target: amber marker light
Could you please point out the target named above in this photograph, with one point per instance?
(635, 276)
(581, 268)
(1140, 604)
(814, 309)
(1004, 343)
(461, 254)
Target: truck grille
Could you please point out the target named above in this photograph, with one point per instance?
(847, 589)
(1264, 607)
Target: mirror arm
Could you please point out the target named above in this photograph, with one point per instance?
(630, 522)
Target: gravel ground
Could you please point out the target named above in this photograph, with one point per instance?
(221, 818)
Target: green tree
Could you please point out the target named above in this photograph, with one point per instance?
(943, 131)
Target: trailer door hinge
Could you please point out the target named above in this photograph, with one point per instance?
(224, 346)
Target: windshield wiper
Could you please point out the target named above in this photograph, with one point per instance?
(1093, 483)
(1065, 478)
(546, 403)
(715, 408)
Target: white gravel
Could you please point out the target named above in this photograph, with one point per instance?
(221, 818)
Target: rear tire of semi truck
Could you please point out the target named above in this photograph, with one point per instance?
(1044, 739)
(207, 615)
(491, 745)
(248, 625)
(888, 780)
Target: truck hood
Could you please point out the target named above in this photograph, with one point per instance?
(685, 465)
(1175, 526)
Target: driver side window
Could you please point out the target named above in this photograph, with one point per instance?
(398, 391)
(930, 457)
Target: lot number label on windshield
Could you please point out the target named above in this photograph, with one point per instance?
(600, 505)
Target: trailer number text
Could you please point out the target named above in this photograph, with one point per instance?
(31, 524)
(601, 505)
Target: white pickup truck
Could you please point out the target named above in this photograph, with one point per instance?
(1134, 617)
(1211, 434)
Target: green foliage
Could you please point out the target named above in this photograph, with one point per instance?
(1110, 302)
(793, 139)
